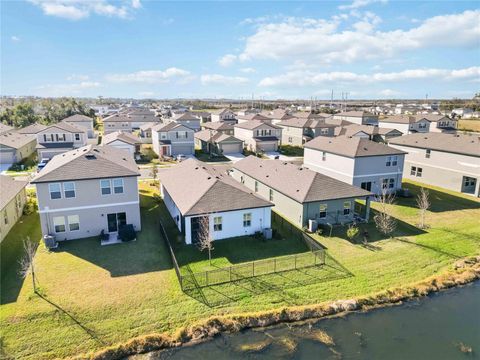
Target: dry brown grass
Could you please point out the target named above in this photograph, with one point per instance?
(469, 125)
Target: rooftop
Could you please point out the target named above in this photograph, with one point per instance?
(32, 129)
(14, 139)
(9, 188)
(253, 124)
(121, 136)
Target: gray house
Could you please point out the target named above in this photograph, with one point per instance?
(82, 122)
(211, 141)
(173, 139)
(297, 131)
(15, 147)
(373, 133)
(59, 138)
(258, 135)
(300, 194)
(86, 191)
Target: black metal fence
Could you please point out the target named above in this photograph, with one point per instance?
(286, 228)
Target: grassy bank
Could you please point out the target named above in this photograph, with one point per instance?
(99, 296)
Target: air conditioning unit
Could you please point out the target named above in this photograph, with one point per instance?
(50, 242)
(267, 233)
(312, 225)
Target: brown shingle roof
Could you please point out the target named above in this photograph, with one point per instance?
(252, 117)
(401, 119)
(5, 128)
(454, 143)
(212, 191)
(32, 129)
(352, 130)
(253, 124)
(15, 140)
(65, 126)
(9, 188)
(121, 136)
(218, 125)
(168, 127)
(351, 146)
(78, 117)
(88, 162)
(299, 183)
(304, 123)
(186, 116)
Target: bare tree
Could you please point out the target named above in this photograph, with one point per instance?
(423, 203)
(205, 240)
(384, 222)
(27, 262)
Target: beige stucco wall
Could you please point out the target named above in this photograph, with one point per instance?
(13, 211)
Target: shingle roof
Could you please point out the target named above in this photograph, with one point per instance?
(212, 190)
(88, 162)
(299, 183)
(304, 123)
(351, 146)
(147, 126)
(253, 124)
(215, 136)
(121, 136)
(218, 125)
(278, 114)
(401, 119)
(337, 122)
(251, 117)
(168, 126)
(32, 129)
(220, 111)
(353, 129)
(78, 117)
(9, 188)
(15, 140)
(5, 128)
(431, 117)
(131, 118)
(454, 143)
(355, 113)
(310, 115)
(65, 126)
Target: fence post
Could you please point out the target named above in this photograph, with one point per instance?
(295, 261)
(274, 265)
(253, 268)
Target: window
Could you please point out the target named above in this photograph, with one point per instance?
(384, 183)
(118, 186)
(346, 207)
(290, 140)
(181, 134)
(60, 137)
(77, 137)
(469, 181)
(416, 171)
(163, 136)
(217, 223)
(427, 153)
(323, 211)
(270, 195)
(55, 191)
(73, 222)
(47, 137)
(324, 131)
(69, 190)
(106, 187)
(242, 179)
(256, 186)
(5, 217)
(59, 224)
(367, 185)
(391, 183)
(324, 156)
(392, 160)
(419, 172)
(247, 220)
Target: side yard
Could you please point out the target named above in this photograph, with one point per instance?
(95, 296)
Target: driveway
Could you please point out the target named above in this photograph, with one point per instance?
(273, 154)
(234, 157)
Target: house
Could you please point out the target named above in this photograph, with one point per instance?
(82, 122)
(123, 140)
(15, 147)
(12, 200)
(358, 117)
(59, 138)
(88, 190)
(223, 127)
(127, 122)
(224, 115)
(258, 135)
(373, 133)
(173, 139)
(5, 128)
(439, 123)
(451, 161)
(146, 132)
(248, 111)
(357, 161)
(193, 191)
(204, 116)
(215, 142)
(300, 194)
(187, 119)
(253, 117)
(278, 115)
(407, 124)
(297, 131)
(33, 129)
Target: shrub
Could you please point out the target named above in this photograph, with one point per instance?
(31, 205)
(352, 231)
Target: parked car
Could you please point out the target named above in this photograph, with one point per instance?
(42, 164)
(181, 157)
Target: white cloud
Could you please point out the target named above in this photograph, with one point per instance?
(356, 4)
(78, 77)
(80, 9)
(15, 38)
(248, 70)
(227, 60)
(150, 76)
(146, 93)
(320, 41)
(389, 93)
(217, 79)
(310, 78)
(67, 89)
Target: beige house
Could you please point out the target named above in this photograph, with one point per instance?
(297, 131)
(173, 139)
(59, 138)
(439, 123)
(253, 117)
(406, 124)
(12, 200)
(15, 147)
(123, 140)
(357, 117)
(258, 135)
(224, 115)
(373, 133)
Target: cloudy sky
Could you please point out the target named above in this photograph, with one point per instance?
(137, 48)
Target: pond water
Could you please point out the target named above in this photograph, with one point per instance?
(445, 325)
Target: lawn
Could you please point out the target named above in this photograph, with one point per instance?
(202, 156)
(469, 125)
(289, 150)
(99, 296)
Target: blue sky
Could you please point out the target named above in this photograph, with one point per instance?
(139, 48)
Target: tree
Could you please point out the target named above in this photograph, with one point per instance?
(384, 222)
(423, 203)
(352, 231)
(27, 263)
(205, 240)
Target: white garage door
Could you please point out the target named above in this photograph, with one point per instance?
(267, 146)
(7, 157)
(178, 149)
(232, 148)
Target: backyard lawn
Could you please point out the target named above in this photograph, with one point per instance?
(469, 125)
(95, 296)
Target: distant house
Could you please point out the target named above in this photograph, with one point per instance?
(15, 147)
(123, 140)
(33, 129)
(297, 131)
(211, 141)
(253, 117)
(439, 123)
(173, 139)
(5, 128)
(187, 119)
(278, 115)
(146, 132)
(222, 127)
(358, 117)
(204, 116)
(407, 124)
(127, 122)
(86, 191)
(258, 135)
(59, 138)
(12, 201)
(357, 161)
(447, 160)
(373, 133)
(224, 115)
(82, 121)
(300, 194)
(231, 208)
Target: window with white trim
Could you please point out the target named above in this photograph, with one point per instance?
(428, 152)
(323, 211)
(256, 186)
(55, 190)
(392, 160)
(217, 223)
(346, 207)
(270, 194)
(77, 137)
(106, 187)
(69, 190)
(391, 183)
(324, 156)
(118, 186)
(416, 171)
(73, 222)
(60, 137)
(247, 219)
(59, 224)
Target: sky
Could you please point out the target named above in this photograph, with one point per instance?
(370, 49)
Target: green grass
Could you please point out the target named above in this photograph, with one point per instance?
(200, 155)
(99, 296)
(289, 150)
(469, 125)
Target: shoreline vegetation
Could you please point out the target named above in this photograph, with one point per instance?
(464, 271)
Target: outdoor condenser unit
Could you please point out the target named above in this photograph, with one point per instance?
(312, 225)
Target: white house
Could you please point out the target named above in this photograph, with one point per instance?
(224, 115)
(406, 124)
(123, 140)
(357, 117)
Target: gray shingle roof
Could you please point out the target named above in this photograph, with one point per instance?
(121, 136)
(355, 113)
(5, 128)
(15, 140)
(215, 136)
(299, 183)
(401, 119)
(197, 188)
(351, 146)
(78, 118)
(352, 130)
(304, 123)
(186, 116)
(65, 126)
(9, 188)
(218, 125)
(32, 129)
(169, 127)
(88, 162)
(251, 117)
(253, 124)
(454, 143)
